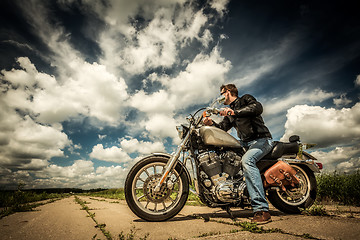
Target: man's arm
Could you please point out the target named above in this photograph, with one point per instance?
(253, 108)
(225, 124)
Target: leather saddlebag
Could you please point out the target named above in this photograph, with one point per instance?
(281, 174)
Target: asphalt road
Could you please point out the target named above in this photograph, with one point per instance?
(66, 219)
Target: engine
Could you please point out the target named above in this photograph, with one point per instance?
(218, 171)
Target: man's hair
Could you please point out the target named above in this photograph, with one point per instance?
(231, 87)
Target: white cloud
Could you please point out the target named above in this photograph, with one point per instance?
(112, 154)
(161, 126)
(155, 41)
(26, 144)
(12, 179)
(101, 137)
(81, 174)
(19, 45)
(201, 79)
(357, 80)
(79, 168)
(91, 91)
(324, 126)
(120, 154)
(219, 5)
(275, 106)
(197, 84)
(157, 102)
(133, 145)
(343, 159)
(342, 101)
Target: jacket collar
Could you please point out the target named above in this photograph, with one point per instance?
(233, 103)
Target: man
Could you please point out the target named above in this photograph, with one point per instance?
(244, 115)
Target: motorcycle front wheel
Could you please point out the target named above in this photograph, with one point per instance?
(144, 201)
(298, 198)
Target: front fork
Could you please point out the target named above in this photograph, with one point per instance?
(172, 162)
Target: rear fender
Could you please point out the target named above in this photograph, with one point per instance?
(264, 164)
(309, 163)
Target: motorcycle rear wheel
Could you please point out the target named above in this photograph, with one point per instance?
(298, 198)
(144, 201)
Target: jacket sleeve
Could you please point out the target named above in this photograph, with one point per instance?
(225, 124)
(253, 108)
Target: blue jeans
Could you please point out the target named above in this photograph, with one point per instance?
(256, 149)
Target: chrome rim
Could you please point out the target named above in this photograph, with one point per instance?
(149, 201)
(298, 195)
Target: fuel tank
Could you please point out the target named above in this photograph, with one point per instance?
(217, 137)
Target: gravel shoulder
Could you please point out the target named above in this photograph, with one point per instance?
(65, 219)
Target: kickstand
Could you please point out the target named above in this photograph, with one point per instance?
(230, 213)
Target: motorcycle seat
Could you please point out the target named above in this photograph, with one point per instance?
(282, 148)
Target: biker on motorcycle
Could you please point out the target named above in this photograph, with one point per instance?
(244, 114)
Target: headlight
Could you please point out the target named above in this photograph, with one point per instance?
(182, 130)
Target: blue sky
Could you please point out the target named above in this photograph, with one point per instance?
(87, 88)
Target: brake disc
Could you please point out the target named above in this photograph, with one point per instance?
(149, 186)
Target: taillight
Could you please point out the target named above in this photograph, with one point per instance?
(320, 166)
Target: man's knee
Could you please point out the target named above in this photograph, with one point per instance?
(248, 162)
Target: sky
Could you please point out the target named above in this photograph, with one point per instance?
(89, 87)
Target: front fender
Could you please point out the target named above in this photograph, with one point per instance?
(166, 155)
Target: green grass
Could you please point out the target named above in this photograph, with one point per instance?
(118, 194)
(315, 210)
(115, 193)
(23, 201)
(340, 188)
(101, 226)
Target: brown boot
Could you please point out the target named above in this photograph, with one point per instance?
(261, 217)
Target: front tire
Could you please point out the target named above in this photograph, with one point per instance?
(298, 198)
(156, 206)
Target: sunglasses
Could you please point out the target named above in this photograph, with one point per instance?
(223, 92)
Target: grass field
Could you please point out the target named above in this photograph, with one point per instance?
(340, 188)
(22, 201)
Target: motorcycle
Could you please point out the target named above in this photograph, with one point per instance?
(207, 162)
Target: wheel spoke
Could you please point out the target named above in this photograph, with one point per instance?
(139, 178)
(172, 200)
(140, 197)
(300, 193)
(144, 183)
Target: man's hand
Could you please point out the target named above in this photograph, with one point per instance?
(227, 111)
(208, 121)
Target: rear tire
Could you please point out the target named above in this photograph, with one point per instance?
(156, 206)
(302, 196)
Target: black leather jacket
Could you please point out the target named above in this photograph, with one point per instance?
(247, 119)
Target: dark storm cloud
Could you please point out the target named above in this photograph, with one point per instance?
(320, 41)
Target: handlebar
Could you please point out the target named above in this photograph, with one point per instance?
(207, 113)
(213, 110)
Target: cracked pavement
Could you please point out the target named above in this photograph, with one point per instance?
(64, 219)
